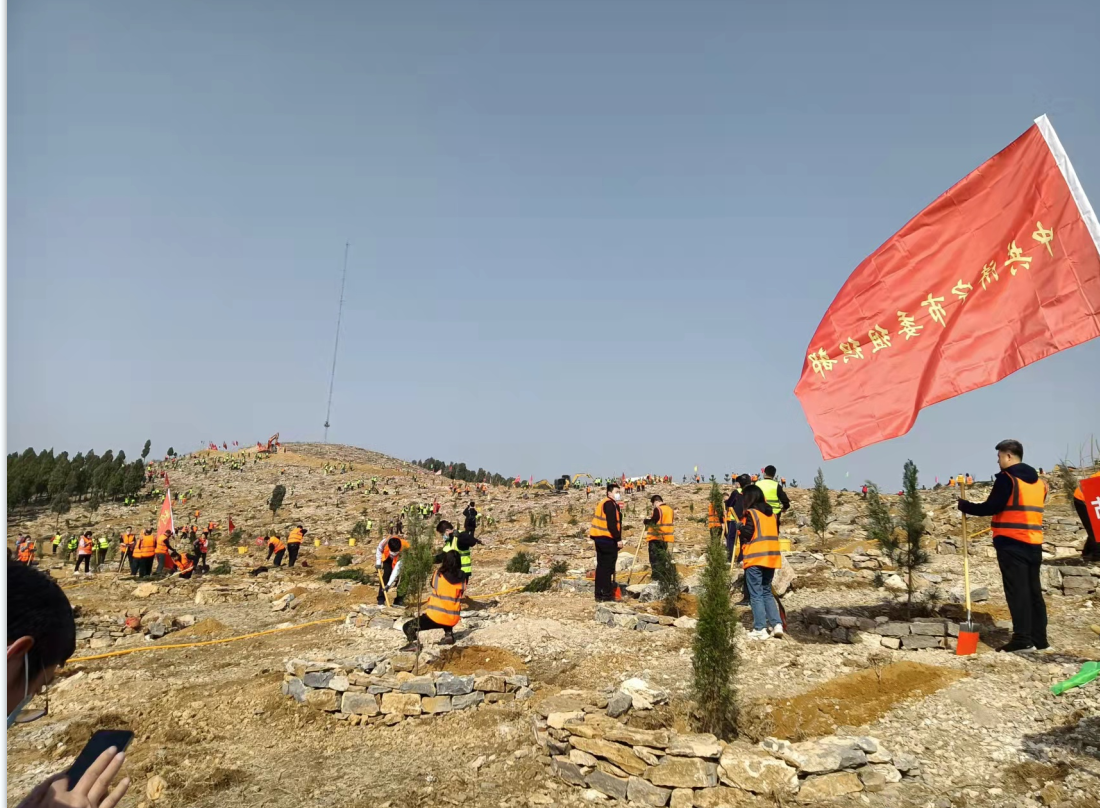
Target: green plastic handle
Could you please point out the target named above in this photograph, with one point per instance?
(1088, 672)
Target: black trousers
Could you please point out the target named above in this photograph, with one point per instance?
(658, 553)
(292, 553)
(200, 560)
(387, 568)
(1083, 515)
(425, 624)
(279, 558)
(85, 560)
(145, 566)
(133, 562)
(1024, 593)
(607, 555)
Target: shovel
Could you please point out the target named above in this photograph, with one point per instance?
(968, 637)
(385, 592)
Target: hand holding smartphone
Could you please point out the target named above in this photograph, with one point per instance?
(100, 742)
(87, 783)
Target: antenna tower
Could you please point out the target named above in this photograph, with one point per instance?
(336, 348)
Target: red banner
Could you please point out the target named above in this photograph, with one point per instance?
(1090, 488)
(164, 519)
(1000, 271)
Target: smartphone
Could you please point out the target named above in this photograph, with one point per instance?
(103, 740)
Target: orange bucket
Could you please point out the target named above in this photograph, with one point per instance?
(968, 641)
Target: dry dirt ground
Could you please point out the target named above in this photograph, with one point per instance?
(211, 721)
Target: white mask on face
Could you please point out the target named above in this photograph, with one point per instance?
(616, 496)
(14, 714)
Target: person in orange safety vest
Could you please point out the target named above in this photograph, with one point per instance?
(1090, 552)
(760, 558)
(1016, 503)
(85, 548)
(448, 585)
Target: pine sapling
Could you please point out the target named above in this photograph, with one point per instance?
(906, 550)
(821, 509)
(714, 658)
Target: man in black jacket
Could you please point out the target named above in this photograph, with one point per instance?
(1016, 504)
(606, 534)
(470, 517)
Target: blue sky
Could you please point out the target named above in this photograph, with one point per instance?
(584, 236)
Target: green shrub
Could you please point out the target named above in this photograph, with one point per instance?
(354, 574)
(520, 562)
(714, 659)
(559, 567)
(343, 560)
(222, 569)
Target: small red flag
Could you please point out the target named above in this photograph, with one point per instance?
(231, 528)
(1000, 271)
(164, 518)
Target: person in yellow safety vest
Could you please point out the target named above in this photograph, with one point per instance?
(103, 544)
(85, 546)
(1090, 552)
(774, 494)
(56, 542)
(144, 552)
(387, 561)
(606, 533)
(448, 585)
(760, 558)
(294, 544)
(127, 543)
(461, 543)
(659, 533)
(1016, 503)
(26, 551)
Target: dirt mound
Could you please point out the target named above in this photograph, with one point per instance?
(203, 628)
(853, 700)
(477, 658)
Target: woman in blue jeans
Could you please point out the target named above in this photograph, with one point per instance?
(760, 559)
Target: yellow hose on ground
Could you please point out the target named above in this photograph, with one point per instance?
(125, 651)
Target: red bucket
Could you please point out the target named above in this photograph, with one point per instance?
(968, 641)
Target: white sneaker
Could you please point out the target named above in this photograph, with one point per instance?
(758, 634)
(777, 631)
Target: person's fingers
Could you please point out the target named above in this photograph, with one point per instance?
(112, 799)
(95, 770)
(39, 791)
(103, 782)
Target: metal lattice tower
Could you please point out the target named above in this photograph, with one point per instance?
(336, 347)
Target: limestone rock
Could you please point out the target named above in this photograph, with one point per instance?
(682, 798)
(643, 792)
(650, 756)
(827, 786)
(467, 700)
(297, 689)
(654, 738)
(621, 756)
(685, 622)
(421, 685)
(557, 720)
(604, 783)
(895, 583)
(450, 685)
(618, 704)
(490, 684)
(751, 770)
(581, 758)
(683, 773)
(558, 703)
(400, 703)
(359, 704)
(568, 771)
(906, 763)
(155, 787)
(145, 590)
(436, 704)
(282, 603)
(319, 679)
(702, 745)
(823, 755)
(642, 695)
(876, 776)
(324, 700)
(403, 662)
(720, 797)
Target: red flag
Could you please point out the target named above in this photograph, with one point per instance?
(231, 528)
(1000, 271)
(1090, 490)
(164, 519)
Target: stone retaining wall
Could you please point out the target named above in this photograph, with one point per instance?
(921, 632)
(385, 618)
(1070, 580)
(98, 632)
(373, 690)
(660, 767)
(622, 616)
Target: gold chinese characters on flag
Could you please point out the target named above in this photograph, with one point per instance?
(998, 272)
